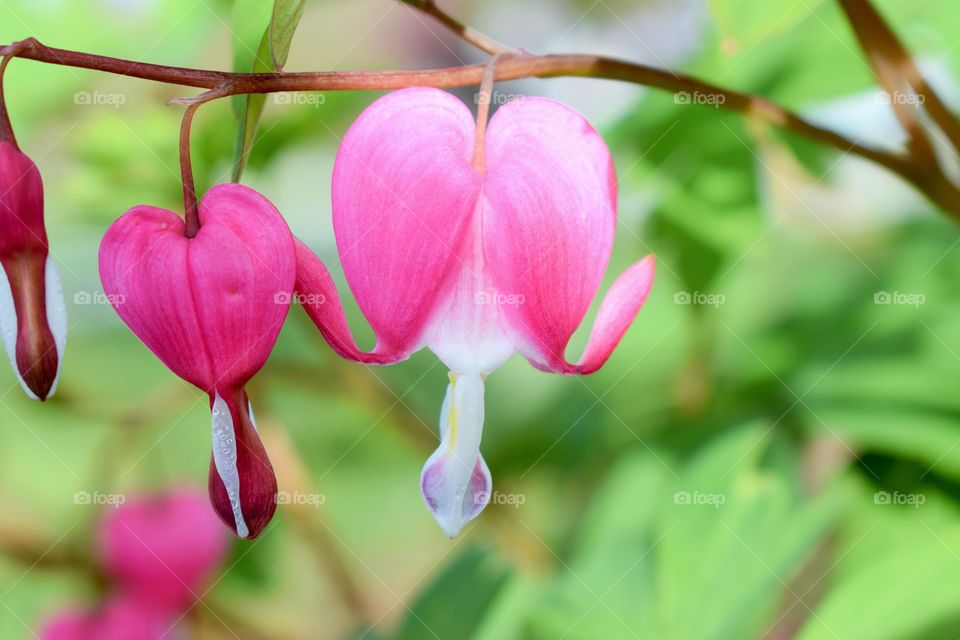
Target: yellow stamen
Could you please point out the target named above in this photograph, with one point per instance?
(452, 418)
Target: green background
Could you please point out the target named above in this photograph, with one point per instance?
(781, 460)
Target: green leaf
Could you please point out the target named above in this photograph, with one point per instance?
(270, 55)
(733, 554)
(250, 18)
(251, 110)
(725, 531)
(747, 22)
(286, 17)
(910, 589)
(930, 438)
(457, 600)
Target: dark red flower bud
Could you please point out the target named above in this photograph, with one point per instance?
(32, 312)
(242, 485)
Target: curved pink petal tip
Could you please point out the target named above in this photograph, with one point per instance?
(617, 311)
(317, 293)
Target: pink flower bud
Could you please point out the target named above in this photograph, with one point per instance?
(32, 312)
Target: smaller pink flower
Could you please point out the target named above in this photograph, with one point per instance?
(163, 548)
(211, 308)
(33, 317)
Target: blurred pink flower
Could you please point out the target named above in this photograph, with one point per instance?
(159, 553)
(33, 317)
(211, 307)
(163, 549)
(120, 618)
(476, 248)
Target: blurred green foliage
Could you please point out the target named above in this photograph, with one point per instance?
(772, 452)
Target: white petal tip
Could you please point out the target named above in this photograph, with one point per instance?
(451, 506)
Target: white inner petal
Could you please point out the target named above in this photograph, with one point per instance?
(468, 330)
(56, 320)
(225, 460)
(253, 420)
(56, 315)
(455, 480)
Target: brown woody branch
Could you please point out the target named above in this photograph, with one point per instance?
(933, 183)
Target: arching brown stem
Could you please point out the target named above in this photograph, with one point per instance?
(191, 211)
(929, 179)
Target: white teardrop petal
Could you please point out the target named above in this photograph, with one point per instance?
(225, 460)
(455, 481)
(56, 315)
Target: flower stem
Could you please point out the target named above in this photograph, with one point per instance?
(897, 71)
(483, 112)
(932, 181)
(6, 129)
(191, 211)
(479, 40)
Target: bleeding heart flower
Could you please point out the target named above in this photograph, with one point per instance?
(211, 307)
(163, 548)
(476, 246)
(33, 317)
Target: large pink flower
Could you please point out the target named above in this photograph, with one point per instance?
(473, 260)
(33, 317)
(211, 307)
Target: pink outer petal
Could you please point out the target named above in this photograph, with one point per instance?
(549, 225)
(210, 307)
(617, 311)
(403, 192)
(21, 203)
(163, 548)
(317, 294)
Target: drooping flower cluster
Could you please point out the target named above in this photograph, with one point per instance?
(475, 242)
(159, 553)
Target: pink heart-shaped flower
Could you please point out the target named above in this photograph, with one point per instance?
(211, 308)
